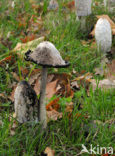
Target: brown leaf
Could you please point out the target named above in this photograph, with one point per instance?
(7, 59)
(23, 47)
(103, 84)
(51, 89)
(54, 115)
(49, 151)
(71, 5)
(84, 80)
(24, 72)
(28, 38)
(15, 76)
(69, 107)
(37, 86)
(53, 105)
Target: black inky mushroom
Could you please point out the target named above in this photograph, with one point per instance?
(47, 56)
(25, 103)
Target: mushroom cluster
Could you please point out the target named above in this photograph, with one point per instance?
(47, 56)
(83, 9)
(103, 35)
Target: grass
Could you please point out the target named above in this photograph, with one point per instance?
(65, 135)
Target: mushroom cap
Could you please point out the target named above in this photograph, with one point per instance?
(103, 35)
(83, 7)
(46, 54)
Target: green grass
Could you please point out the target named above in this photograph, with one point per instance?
(65, 135)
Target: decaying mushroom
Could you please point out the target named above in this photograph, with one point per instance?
(47, 56)
(25, 103)
(103, 35)
(83, 9)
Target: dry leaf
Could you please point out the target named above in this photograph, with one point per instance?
(103, 84)
(53, 105)
(24, 72)
(110, 21)
(69, 107)
(54, 115)
(75, 85)
(7, 59)
(28, 38)
(51, 89)
(49, 151)
(23, 47)
(15, 76)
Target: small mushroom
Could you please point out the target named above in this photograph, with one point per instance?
(83, 9)
(103, 35)
(47, 56)
(25, 103)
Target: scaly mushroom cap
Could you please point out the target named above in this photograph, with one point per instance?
(83, 7)
(25, 103)
(103, 35)
(46, 54)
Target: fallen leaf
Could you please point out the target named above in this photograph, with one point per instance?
(53, 105)
(28, 38)
(49, 151)
(54, 115)
(6, 59)
(24, 72)
(51, 89)
(75, 85)
(103, 84)
(71, 5)
(69, 108)
(15, 76)
(23, 47)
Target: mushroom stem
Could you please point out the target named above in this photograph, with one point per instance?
(42, 107)
(83, 22)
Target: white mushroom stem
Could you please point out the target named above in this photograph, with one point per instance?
(83, 9)
(42, 107)
(83, 22)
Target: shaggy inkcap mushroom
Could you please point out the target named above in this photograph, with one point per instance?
(45, 55)
(83, 9)
(25, 103)
(103, 35)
